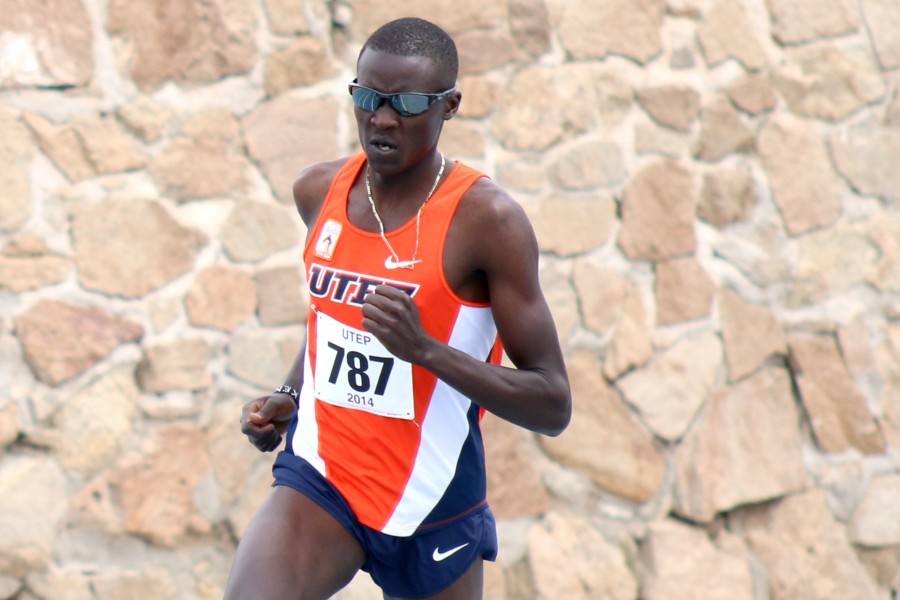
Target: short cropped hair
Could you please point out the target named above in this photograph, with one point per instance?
(412, 36)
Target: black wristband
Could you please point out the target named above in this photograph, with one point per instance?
(286, 389)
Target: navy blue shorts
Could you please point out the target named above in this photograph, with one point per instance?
(418, 566)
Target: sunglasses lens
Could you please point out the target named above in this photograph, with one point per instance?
(366, 99)
(410, 104)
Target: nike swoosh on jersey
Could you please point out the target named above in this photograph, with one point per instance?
(438, 556)
(390, 263)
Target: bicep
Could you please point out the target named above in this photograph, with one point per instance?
(523, 317)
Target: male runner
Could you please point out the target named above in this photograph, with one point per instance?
(421, 271)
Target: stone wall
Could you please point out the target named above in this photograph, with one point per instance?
(713, 185)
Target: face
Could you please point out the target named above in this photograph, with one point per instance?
(395, 143)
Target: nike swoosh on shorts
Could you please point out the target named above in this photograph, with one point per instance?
(438, 556)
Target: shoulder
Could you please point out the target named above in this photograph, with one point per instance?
(494, 210)
(312, 185)
(490, 222)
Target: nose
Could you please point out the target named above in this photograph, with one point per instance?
(384, 116)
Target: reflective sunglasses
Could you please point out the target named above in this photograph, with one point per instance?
(407, 104)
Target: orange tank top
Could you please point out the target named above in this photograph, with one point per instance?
(401, 446)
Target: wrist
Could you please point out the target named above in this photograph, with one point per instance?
(290, 391)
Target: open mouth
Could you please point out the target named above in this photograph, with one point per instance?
(382, 145)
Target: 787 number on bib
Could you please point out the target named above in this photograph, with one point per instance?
(354, 370)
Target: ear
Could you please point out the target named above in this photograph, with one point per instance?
(452, 105)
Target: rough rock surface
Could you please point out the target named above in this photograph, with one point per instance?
(713, 188)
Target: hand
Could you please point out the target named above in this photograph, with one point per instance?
(265, 420)
(392, 317)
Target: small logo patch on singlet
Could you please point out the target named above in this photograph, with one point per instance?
(328, 239)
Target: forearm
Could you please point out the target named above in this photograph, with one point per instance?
(533, 398)
(294, 376)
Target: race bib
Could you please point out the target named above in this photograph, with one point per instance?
(354, 370)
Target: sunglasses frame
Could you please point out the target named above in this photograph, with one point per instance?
(394, 99)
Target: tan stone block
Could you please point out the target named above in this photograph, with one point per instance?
(256, 489)
(658, 212)
(882, 20)
(630, 346)
(671, 105)
(589, 30)
(222, 297)
(837, 411)
(629, 465)
(798, 21)
(16, 153)
(601, 292)
(728, 195)
(63, 146)
(858, 157)
(46, 44)
(744, 447)
(529, 23)
(884, 232)
(191, 41)
(94, 506)
(587, 165)
(483, 50)
(128, 248)
(670, 390)
(232, 457)
(832, 261)
(33, 502)
(727, 32)
(515, 489)
(91, 439)
(750, 332)
(876, 521)
(684, 564)
(572, 225)
(824, 81)
(286, 17)
(543, 105)
(106, 145)
(479, 95)
(757, 256)
(260, 358)
(281, 296)
(684, 291)
(61, 340)
(804, 185)
(722, 132)
(463, 138)
(150, 583)
(524, 175)
(797, 540)
(650, 138)
(146, 118)
(753, 94)
(304, 62)
(22, 270)
(157, 489)
(180, 365)
(571, 559)
(63, 584)
(206, 159)
(289, 133)
(369, 15)
(561, 297)
(255, 230)
(10, 423)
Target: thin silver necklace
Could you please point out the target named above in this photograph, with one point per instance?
(397, 263)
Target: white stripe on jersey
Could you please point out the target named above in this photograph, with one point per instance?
(444, 430)
(306, 436)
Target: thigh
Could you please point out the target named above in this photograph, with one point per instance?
(470, 586)
(293, 550)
